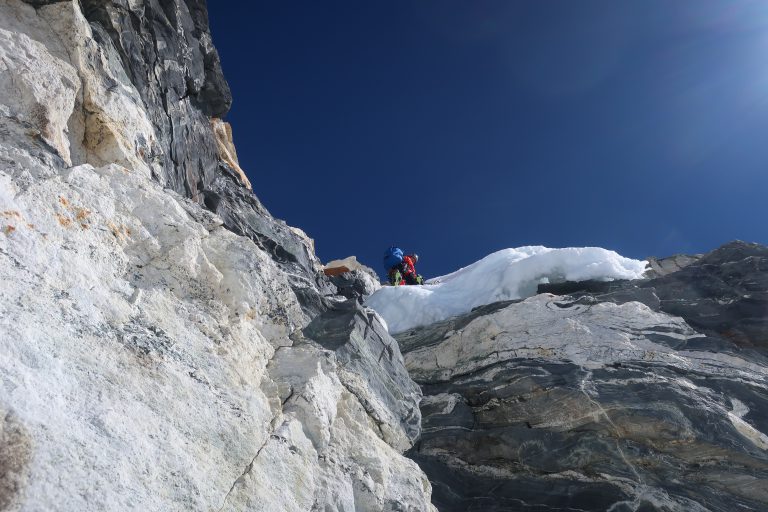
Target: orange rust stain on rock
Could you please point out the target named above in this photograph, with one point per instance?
(81, 216)
(64, 220)
(8, 229)
(114, 230)
(120, 232)
(11, 214)
(63, 201)
(335, 271)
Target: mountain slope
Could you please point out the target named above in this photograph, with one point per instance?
(603, 399)
(166, 344)
(503, 275)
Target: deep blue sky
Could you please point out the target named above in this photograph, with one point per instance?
(457, 128)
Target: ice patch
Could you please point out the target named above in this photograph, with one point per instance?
(504, 275)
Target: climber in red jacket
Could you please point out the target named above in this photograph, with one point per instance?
(401, 269)
(408, 270)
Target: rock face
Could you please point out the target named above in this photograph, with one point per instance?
(165, 343)
(352, 279)
(644, 395)
(163, 50)
(663, 266)
(374, 372)
(723, 293)
(138, 83)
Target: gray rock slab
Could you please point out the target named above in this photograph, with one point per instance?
(724, 293)
(374, 369)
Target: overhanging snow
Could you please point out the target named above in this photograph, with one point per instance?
(504, 275)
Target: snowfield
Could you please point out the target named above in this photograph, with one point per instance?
(504, 275)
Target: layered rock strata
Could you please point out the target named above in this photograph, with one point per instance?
(596, 401)
(165, 343)
(723, 293)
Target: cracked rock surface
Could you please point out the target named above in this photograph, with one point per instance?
(148, 358)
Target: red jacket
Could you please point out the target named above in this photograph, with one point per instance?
(408, 266)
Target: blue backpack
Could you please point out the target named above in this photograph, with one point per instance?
(393, 256)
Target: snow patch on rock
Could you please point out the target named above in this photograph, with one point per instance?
(504, 275)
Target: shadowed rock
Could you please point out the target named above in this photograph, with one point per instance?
(724, 293)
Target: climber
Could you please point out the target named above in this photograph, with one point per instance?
(409, 269)
(401, 268)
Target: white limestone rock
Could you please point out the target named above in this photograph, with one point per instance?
(135, 353)
(39, 85)
(325, 431)
(138, 337)
(70, 90)
(123, 356)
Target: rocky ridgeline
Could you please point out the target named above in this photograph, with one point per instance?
(166, 344)
(648, 395)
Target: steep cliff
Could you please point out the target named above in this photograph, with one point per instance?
(165, 343)
(645, 395)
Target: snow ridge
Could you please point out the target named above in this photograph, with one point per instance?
(503, 275)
